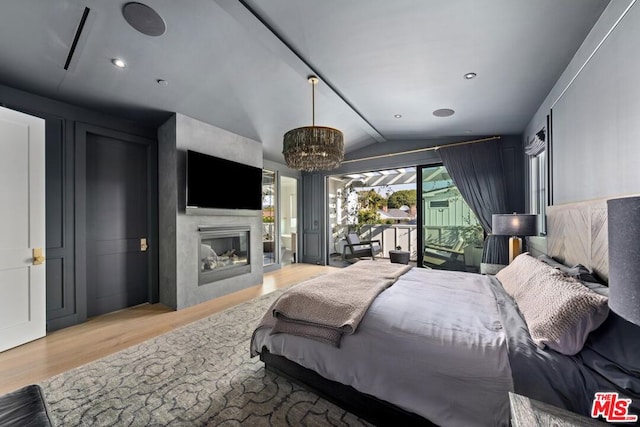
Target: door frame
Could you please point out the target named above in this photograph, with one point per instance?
(81, 132)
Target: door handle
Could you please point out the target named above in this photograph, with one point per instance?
(38, 258)
(143, 244)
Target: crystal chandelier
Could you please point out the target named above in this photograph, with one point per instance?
(313, 148)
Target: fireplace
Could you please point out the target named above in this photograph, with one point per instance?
(223, 253)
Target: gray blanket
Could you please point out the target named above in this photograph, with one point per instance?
(327, 307)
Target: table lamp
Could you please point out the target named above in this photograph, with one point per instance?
(514, 225)
(624, 257)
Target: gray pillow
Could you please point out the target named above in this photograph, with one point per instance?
(597, 287)
(578, 271)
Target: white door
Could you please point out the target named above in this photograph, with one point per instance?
(22, 229)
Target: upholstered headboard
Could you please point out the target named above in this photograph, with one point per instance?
(577, 234)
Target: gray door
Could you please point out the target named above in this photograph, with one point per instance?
(117, 212)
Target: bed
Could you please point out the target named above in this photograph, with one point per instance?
(445, 348)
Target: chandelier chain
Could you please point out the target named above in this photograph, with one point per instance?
(313, 103)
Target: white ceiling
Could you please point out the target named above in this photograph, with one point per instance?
(243, 65)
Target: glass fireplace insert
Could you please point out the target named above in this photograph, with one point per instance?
(223, 253)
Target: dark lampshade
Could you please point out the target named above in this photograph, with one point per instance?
(514, 224)
(624, 257)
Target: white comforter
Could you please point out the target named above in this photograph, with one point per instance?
(432, 343)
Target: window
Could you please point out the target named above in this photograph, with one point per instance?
(439, 204)
(448, 224)
(279, 218)
(538, 179)
(288, 205)
(268, 216)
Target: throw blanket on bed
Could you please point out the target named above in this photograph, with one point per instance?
(326, 307)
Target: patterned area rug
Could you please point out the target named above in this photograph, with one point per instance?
(198, 375)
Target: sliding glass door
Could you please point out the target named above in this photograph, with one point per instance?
(376, 205)
(451, 235)
(413, 209)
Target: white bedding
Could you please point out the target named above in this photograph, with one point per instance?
(432, 343)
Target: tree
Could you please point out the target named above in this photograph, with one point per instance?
(371, 200)
(402, 197)
(368, 216)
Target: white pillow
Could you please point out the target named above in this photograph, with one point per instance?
(521, 270)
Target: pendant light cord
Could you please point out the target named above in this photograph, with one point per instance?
(313, 81)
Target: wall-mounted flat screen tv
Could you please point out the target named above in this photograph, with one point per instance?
(218, 183)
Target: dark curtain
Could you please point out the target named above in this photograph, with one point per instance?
(476, 169)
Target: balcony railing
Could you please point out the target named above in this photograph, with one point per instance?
(406, 236)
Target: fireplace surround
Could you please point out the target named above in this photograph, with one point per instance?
(180, 246)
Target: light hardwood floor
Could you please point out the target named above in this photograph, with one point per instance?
(100, 336)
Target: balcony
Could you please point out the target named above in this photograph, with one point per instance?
(442, 243)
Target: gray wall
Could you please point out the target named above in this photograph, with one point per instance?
(179, 238)
(595, 112)
(66, 281)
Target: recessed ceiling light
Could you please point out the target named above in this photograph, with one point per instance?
(162, 82)
(118, 62)
(397, 116)
(443, 112)
(469, 76)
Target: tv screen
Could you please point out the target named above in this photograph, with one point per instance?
(218, 183)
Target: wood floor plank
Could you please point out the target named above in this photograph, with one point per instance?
(77, 345)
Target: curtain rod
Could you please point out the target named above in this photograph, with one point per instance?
(473, 141)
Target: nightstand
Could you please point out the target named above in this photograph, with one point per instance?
(526, 412)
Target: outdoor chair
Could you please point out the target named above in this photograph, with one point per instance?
(356, 248)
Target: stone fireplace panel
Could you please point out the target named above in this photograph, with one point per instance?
(179, 251)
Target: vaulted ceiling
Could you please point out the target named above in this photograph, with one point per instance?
(242, 65)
